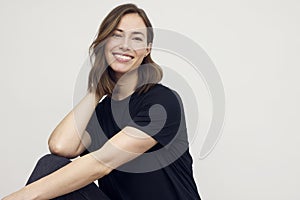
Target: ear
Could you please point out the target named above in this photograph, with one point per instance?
(148, 49)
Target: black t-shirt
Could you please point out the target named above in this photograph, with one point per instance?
(164, 172)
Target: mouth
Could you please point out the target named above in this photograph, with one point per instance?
(121, 57)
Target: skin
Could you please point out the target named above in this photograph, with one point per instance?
(130, 38)
(69, 138)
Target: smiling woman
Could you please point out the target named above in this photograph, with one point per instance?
(127, 47)
(134, 142)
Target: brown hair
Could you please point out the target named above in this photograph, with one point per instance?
(149, 73)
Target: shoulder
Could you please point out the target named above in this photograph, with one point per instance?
(162, 95)
(160, 87)
(162, 92)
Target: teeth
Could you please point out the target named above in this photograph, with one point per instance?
(123, 57)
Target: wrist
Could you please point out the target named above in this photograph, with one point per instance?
(29, 194)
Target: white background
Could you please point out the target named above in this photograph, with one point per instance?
(254, 44)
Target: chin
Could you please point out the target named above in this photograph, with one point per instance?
(121, 68)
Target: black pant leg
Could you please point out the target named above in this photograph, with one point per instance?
(50, 163)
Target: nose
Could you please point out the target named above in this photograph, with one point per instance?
(125, 44)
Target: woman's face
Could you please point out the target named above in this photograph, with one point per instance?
(127, 46)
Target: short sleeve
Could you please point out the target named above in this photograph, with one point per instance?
(90, 128)
(159, 115)
(95, 131)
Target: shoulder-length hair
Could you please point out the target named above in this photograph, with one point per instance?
(101, 77)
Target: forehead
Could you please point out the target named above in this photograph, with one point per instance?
(131, 22)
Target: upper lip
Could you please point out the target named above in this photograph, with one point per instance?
(123, 54)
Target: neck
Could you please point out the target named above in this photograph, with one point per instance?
(125, 85)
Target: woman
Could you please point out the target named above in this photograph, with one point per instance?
(134, 142)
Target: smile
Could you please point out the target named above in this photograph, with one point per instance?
(122, 57)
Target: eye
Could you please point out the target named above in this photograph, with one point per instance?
(116, 35)
(137, 38)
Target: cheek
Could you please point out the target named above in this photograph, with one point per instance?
(107, 50)
(140, 53)
(106, 54)
(109, 45)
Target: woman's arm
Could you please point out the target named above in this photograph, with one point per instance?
(121, 148)
(69, 138)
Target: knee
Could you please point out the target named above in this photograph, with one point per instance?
(46, 165)
(52, 160)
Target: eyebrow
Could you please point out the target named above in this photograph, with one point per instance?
(134, 32)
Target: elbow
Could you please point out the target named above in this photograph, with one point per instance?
(61, 150)
(57, 149)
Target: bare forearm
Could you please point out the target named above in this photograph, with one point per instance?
(67, 136)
